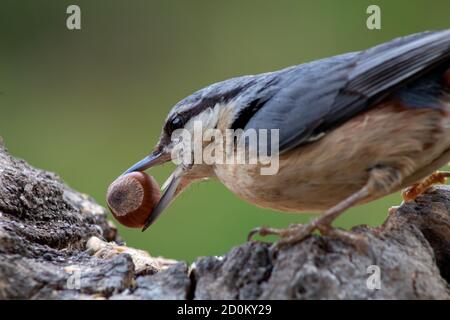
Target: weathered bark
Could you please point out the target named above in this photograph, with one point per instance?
(56, 243)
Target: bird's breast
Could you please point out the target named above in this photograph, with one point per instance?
(318, 175)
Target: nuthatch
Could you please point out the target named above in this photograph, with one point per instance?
(352, 128)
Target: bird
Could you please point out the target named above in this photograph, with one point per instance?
(352, 128)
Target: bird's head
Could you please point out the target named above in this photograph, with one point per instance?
(220, 106)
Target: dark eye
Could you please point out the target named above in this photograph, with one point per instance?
(175, 123)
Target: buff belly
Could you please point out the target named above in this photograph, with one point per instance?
(316, 176)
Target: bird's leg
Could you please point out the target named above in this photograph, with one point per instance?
(323, 223)
(381, 180)
(412, 192)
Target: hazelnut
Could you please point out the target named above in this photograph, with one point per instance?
(132, 197)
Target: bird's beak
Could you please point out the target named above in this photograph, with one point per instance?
(156, 158)
(170, 189)
(170, 186)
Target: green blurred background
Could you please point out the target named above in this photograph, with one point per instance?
(87, 104)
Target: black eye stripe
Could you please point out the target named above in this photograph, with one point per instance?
(211, 101)
(247, 113)
(177, 122)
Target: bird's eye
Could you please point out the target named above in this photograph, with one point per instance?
(175, 123)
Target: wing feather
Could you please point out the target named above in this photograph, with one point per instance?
(322, 94)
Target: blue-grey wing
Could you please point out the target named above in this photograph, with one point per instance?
(316, 97)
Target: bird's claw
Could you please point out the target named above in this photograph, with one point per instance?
(295, 234)
(299, 232)
(264, 231)
(291, 234)
(412, 192)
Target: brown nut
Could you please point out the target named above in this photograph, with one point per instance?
(132, 197)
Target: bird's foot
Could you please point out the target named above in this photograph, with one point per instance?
(412, 192)
(284, 233)
(382, 180)
(298, 232)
